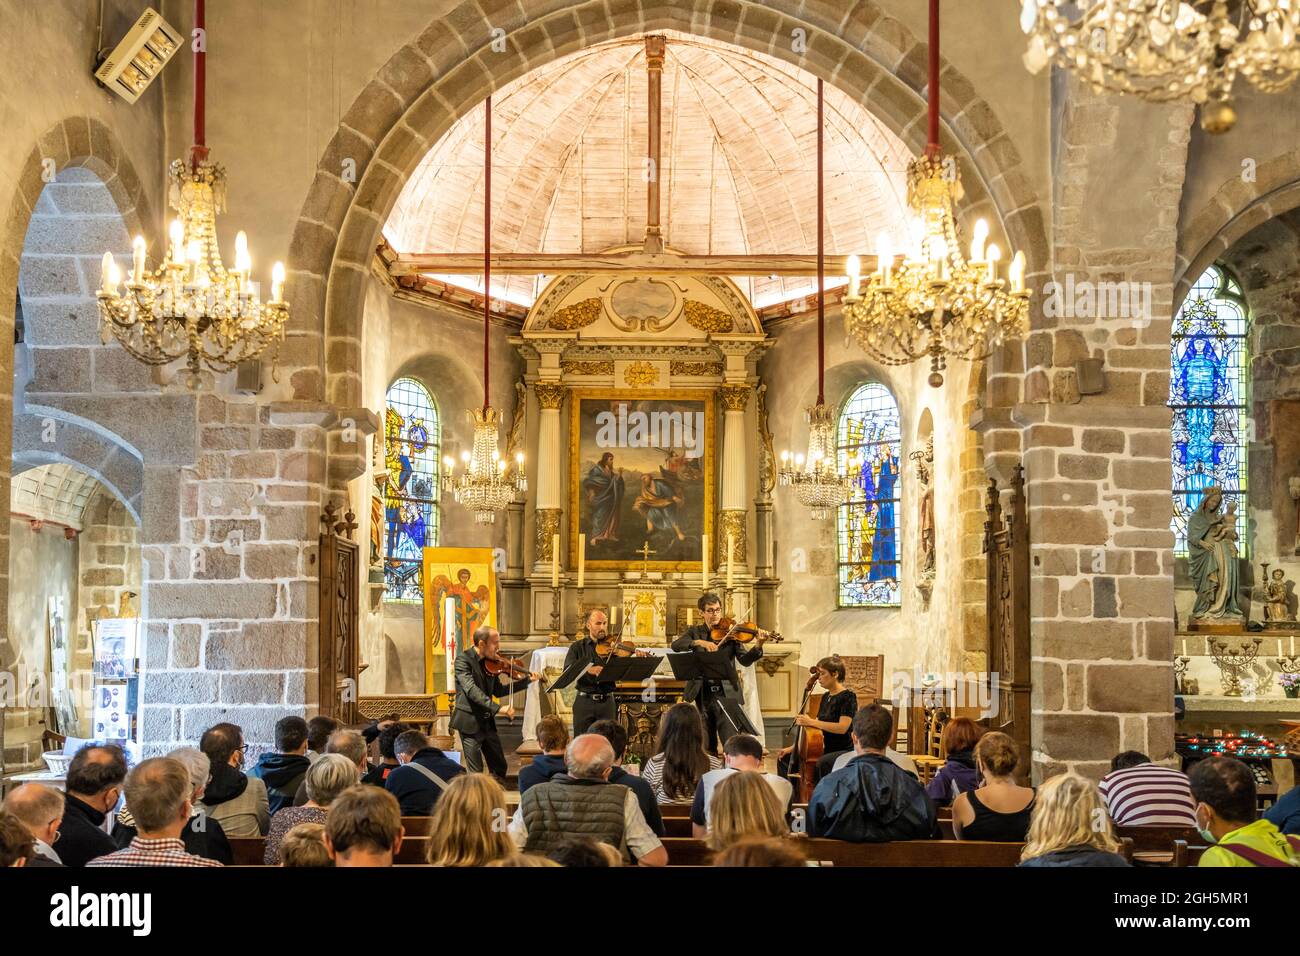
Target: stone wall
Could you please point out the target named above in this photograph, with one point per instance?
(110, 577)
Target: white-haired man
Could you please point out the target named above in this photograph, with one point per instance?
(40, 809)
(583, 803)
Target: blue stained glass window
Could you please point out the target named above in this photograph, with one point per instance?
(868, 442)
(1208, 395)
(410, 499)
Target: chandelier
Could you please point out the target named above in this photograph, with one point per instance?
(936, 302)
(191, 306)
(1169, 49)
(815, 477)
(486, 485)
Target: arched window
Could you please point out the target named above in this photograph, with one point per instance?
(411, 438)
(868, 445)
(1208, 395)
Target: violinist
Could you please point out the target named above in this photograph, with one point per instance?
(475, 712)
(834, 719)
(705, 694)
(595, 700)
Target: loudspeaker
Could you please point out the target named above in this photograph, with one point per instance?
(248, 377)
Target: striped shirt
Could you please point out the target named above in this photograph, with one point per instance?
(152, 853)
(1149, 795)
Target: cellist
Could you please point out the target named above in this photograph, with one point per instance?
(834, 718)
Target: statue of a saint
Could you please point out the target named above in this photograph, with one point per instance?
(1212, 559)
(1276, 610)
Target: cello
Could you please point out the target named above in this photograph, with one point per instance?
(809, 744)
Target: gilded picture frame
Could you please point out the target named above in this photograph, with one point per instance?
(668, 479)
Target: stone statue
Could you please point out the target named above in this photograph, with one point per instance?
(1276, 609)
(925, 560)
(1212, 559)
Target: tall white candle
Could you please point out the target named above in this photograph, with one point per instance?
(1184, 647)
(137, 259)
(555, 560)
(1292, 645)
(704, 564)
(449, 640)
(731, 558)
(690, 617)
(582, 560)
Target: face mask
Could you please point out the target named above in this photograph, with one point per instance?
(1206, 835)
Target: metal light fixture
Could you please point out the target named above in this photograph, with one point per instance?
(140, 57)
(1169, 49)
(192, 306)
(936, 302)
(486, 485)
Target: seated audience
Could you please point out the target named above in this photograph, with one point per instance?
(744, 805)
(304, 845)
(388, 761)
(762, 851)
(1224, 791)
(350, 744)
(235, 800)
(425, 772)
(1069, 826)
(158, 793)
(680, 759)
(999, 809)
(282, 770)
(469, 825)
(328, 777)
(17, 845)
(523, 859)
(40, 809)
(319, 729)
(616, 734)
(553, 738)
(740, 752)
(958, 773)
(363, 828)
(203, 836)
(872, 800)
(1139, 793)
(582, 802)
(94, 784)
(1285, 814)
(576, 852)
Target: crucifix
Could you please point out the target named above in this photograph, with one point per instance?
(645, 553)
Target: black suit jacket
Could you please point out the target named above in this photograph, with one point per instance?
(475, 710)
(81, 837)
(738, 653)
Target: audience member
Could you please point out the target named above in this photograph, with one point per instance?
(553, 738)
(740, 752)
(363, 828)
(470, 824)
(388, 762)
(616, 734)
(524, 860)
(319, 729)
(40, 809)
(328, 777)
(1000, 808)
(744, 805)
(94, 785)
(1069, 826)
(282, 770)
(235, 800)
(203, 836)
(958, 774)
(424, 774)
(1224, 791)
(1139, 793)
(762, 851)
(158, 793)
(582, 802)
(17, 845)
(577, 852)
(350, 744)
(871, 800)
(680, 759)
(304, 846)
(1285, 814)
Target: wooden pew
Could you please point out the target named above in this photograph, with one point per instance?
(1187, 854)
(928, 853)
(1154, 845)
(248, 851)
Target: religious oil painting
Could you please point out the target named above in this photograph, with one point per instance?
(868, 440)
(642, 466)
(467, 578)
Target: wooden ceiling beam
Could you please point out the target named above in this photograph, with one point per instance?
(506, 263)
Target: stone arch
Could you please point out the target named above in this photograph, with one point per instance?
(95, 451)
(425, 85)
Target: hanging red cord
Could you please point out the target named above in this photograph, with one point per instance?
(487, 238)
(199, 149)
(821, 263)
(932, 147)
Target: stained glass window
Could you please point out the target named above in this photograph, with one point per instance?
(1208, 395)
(411, 496)
(868, 444)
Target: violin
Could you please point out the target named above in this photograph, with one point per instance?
(728, 630)
(511, 667)
(616, 647)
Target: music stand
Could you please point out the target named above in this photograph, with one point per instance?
(703, 665)
(628, 669)
(568, 675)
(732, 715)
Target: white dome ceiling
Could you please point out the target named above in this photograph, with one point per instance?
(739, 148)
(57, 492)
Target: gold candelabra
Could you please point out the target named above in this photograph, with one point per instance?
(1231, 661)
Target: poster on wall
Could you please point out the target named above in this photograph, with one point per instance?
(65, 705)
(641, 463)
(115, 647)
(111, 721)
(459, 597)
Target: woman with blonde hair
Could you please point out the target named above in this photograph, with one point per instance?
(470, 823)
(744, 805)
(1070, 826)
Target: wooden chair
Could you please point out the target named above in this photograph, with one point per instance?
(50, 741)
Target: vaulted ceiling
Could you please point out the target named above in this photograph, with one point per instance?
(739, 164)
(55, 492)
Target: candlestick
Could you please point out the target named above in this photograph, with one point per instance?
(690, 617)
(582, 560)
(177, 233)
(277, 283)
(555, 561)
(854, 270)
(1184, 647)
(884, 257)
(137, 259)
(994, 254)
(1232, 661)
(449, 641)
(977, 242)
(704, 564)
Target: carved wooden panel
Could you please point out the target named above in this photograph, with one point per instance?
(338, 641)
(1006, 547)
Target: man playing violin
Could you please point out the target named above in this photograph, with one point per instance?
(706, 693)
(595, 700)
(475, 712)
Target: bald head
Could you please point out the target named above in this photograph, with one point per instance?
(589, 757)
(37, 807)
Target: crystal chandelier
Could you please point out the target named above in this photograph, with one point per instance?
(486, 486)
(815, 478)
(191, 306)
(936, 302)
(1169, 49)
